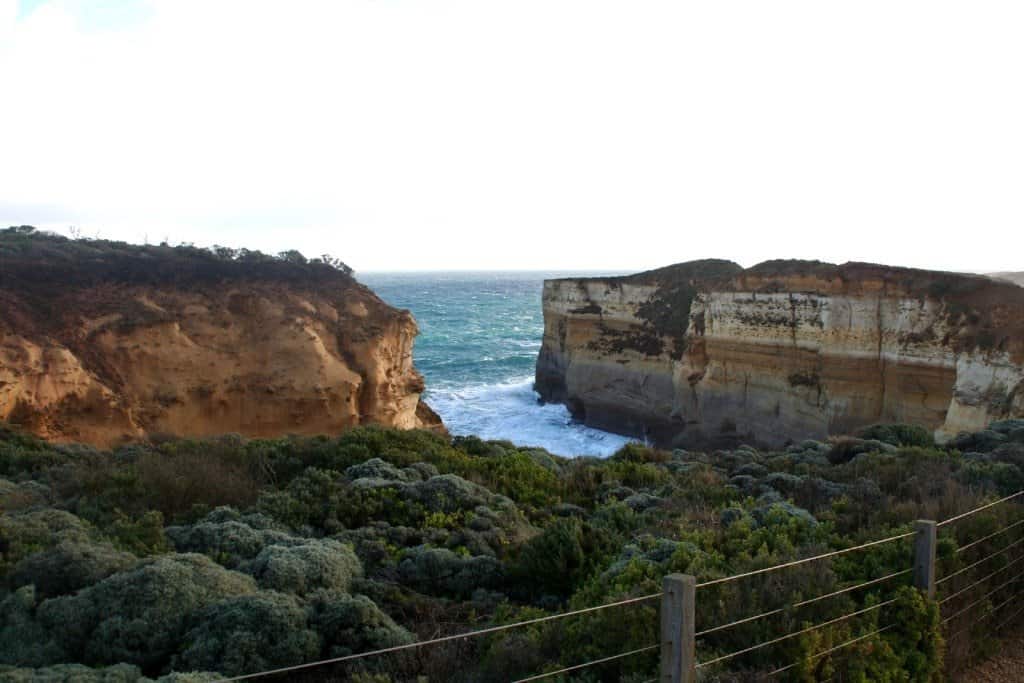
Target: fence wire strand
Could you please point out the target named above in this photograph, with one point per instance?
(960, 592)
(713, 582)
(833, 649)
(803, 603)
(588, 664)
(794, 634)
(444, 639)
(978, 509)
(989, 537)
(813, 558)
(982, 599)
(1008, 619)
(987, 615)
(983, 560)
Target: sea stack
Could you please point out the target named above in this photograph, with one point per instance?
(105, 342)
(706, 352)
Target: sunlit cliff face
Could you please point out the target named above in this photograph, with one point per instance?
(110, 361)
(782, 351)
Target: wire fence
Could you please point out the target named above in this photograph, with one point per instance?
(794, 607)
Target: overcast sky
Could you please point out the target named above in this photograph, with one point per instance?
(575, 134)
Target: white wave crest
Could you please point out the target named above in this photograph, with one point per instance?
(510, 410)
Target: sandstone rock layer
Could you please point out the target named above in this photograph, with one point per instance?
(102, 343)
(707, 352)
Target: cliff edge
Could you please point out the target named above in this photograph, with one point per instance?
(104, 342)
(707, 352)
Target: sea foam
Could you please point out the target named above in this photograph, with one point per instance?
(479, 338)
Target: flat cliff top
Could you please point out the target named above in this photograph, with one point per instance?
(34, 259)
(104, 342)
(46, 279)
(827, 278)
(988, 312)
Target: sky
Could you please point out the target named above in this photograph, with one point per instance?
(522, 134)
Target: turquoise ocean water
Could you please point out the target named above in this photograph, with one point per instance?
(479, 338)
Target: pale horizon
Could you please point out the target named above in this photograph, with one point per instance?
(537, 136)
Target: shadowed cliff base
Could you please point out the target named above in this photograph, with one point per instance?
(708, 353)
(103, 342)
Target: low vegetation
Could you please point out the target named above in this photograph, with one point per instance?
(187, 560)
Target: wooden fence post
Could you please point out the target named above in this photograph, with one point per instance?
(678, 629)
(924, 558)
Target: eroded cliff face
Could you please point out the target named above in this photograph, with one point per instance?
(109, 354)
(708, 352)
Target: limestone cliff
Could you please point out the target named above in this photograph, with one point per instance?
(706, 351)
(104, 342)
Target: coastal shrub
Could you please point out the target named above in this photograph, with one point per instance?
(227, 537)
(185, 473)
(1007, 478)
(23, 453)
(563, 556)
(898, 435)
(23, 640)
(441, 571)
(249, 633)
(985, 441)
(141, 535)
(349, 624)
(846, 449)
(636, 452)
(302, 568)
(139, 616)
(528, 476)
(69, 566)
(26, 494)
(72, 673)
(398, 447)
(25, 532)
(916, 643)
(470, 533)
(451, 493)
(375, 468)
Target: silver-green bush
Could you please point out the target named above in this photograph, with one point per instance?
(23, 640)
(300, 569)
(69, 566)
(353, 623)
(228, 537)
(139, 616)
(72, 673)
(250, 633)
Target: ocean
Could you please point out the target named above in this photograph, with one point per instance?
(479, 337)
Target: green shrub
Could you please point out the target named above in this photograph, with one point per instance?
(899, 435)
(349, 624)
(563, 556)
(636, 452)
(141, 535)
(300, 569)
(140, 615)
(916, 641)
(23, 640)
(249, 633)
(71, 673)
(227, 537)
(69, 566)
(30, 531)
(441, 571)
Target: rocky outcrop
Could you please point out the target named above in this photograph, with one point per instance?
(104, 342)
(707, 352)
